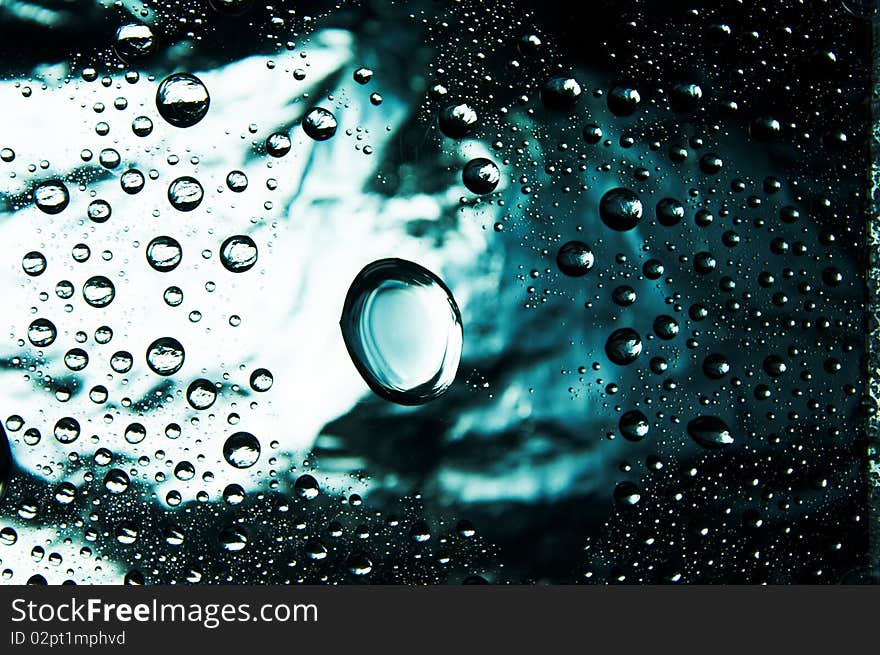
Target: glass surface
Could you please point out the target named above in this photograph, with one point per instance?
(639, 343)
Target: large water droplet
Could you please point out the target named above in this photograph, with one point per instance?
(182, 99)
(201, 394)
(575, 259)
(710, 432)
(33, 263)
(634, 425)
(319, 124)
(403, 331)
(66, 430)
(457, 121)
(236, 181)
(98, 291)
(51, 196)
(241, 450)
(233, 538)
(99, 211)
(164, 254)
(623, 100)
(623, 346)
(261, 380)
(620, 209)
(481, 175)
(165, 356)
(42, 332)
(306, 487)
(560, 93)
(238, 254)
(116, 481)
(185, 193)
(134, 40)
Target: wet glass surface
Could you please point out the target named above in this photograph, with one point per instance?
(607, 281)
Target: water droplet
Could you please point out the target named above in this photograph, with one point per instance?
(116, 481)
(241, 450)
(5, 462)
(66, 430)
(132, 181)
(684, 97)
(481, 175)
(457, 121)
(634, 425)
(135, 433)
(33, 263)
(233, 538)
(319, 124)
(278, 144)
(715, 366)
(403, 331)
(165, 356)
(363, 75)
(315, 550)
(31, 437)
(627, 494)
(76, 359)
(238, 253)
(575, 259)
(624, 295)
(164, 254)
(710, 432)
(185, 193)
(711, 164)
(51, 196)
(306, 487)
(620, 209)
(173, 296)
(236, 181)
(184, 471)
(121, 361)
(592, 134)
(560, 93)
(134, 41)
(774, 366)
(142, 126)
(126, 533)
(99, 211)
(65, 493)
(42, 332)
(623, 346)
(80, 253)
(98, 291)
(359, 564)
(233, 494)
(261, 380)
(201, 394)
(182, 99)
(623, 100)
(669, 212)
(8, 536)
(665, 327)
